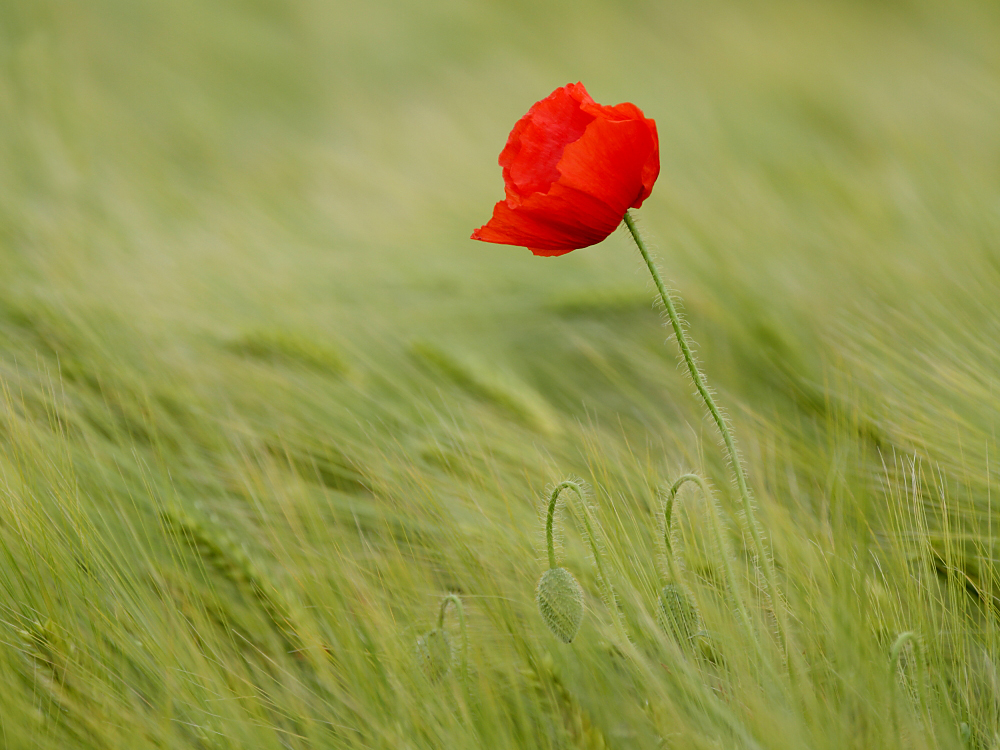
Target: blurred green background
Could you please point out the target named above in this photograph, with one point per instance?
(246, 346)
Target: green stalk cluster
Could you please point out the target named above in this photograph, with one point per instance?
(578, 728)
(229, 558)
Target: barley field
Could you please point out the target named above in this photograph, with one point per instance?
(264, 405)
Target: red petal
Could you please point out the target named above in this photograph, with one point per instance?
(651, 169)
(563, 219)
(624, 112)
(536, 143)
(607, 163)
(550, 253)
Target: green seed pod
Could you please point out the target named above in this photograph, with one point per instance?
(434, 654)
(677, 614)
(560, 601)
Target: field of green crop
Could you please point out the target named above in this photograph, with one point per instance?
(263, 404)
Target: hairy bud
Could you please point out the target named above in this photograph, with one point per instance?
(560, 602)
(677, 614)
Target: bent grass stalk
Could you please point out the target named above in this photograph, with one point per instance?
(720, 422)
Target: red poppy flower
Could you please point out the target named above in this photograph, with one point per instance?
(571, 169)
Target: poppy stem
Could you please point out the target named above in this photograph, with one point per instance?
(720, 540)
(453, 599)
(720, 422)
(549, 517)
(569, 484)
(591, 539)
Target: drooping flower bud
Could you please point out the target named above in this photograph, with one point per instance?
(677, 614)
(560, 602)
(434, 648)
(434, 654)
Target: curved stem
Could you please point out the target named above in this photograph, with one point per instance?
(668, 509)
(720, 539)
(454, 599)
(720, 422)
(897, 649)
(591, 539)
(668, 505)
(549, 516)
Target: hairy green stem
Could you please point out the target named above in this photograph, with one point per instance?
(549, 516)
(720, 422)
(720, 540)
(673, 569)
(668, 505)
(921, 658)
(454, 599)
(591, 539)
